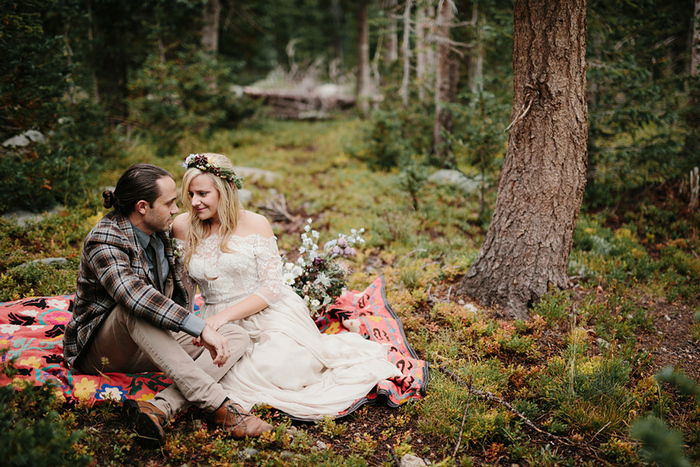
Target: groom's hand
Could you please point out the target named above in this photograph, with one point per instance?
(216, 344)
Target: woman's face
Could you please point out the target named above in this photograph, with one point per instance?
(204, 198)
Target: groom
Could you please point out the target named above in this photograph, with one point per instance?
(130, 312)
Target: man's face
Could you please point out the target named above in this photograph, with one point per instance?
(159, 217)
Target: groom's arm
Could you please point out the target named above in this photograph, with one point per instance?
(118, 270)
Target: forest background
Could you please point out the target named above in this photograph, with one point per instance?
(602, 372)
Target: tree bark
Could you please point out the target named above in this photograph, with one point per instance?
(391, 43)
(445, 82)
(210, 30)
(406, 51)
(476, 59)
(420, 51)
(362, 90)
(695, 54)
(527, 247)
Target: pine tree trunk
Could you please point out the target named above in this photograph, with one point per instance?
(210, 31)
(362, 91)
(476, 59)
(444, 81)
(527, 247)
(695, 55)
(406, 51)
(420, 51)
(391, 43)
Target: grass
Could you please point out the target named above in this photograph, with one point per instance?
(578, 369)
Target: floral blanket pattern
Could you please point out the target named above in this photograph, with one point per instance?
(31, 330)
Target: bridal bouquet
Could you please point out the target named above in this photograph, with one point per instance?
(319, 277)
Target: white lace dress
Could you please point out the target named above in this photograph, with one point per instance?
(289, 365)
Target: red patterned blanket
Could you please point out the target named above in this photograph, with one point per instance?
(32, 331)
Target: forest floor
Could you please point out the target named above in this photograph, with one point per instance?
(670, 343)
(580, 371)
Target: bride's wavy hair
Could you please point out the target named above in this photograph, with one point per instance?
(229, 208)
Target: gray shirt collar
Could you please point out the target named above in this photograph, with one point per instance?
(143, 238)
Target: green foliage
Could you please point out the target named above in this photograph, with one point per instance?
(587, 394)
(34, 73)
(659, 444)
(684, 384)
(33, 431)
(186, 94)
(636, 138)
(397, 135)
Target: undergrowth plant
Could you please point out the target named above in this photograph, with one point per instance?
(574, 369)
(35, 429)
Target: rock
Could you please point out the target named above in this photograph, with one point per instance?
(23, 217)
(248, 452)
(410, 460)
(244, 195)
(23, 139)
(455, 177)
(320, 445)
(43, 261)
(252, 174)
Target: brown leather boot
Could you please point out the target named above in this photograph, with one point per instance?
(239, 423)
(147, 420)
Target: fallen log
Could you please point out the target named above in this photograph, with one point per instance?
(297, 105)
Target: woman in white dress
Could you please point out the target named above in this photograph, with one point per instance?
(232, 255)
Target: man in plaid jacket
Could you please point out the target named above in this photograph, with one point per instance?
(130, 312)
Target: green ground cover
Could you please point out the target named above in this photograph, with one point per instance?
(574, 385)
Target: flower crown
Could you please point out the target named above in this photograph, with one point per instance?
(206, 164)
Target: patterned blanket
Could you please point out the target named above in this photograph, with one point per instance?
(31, 330)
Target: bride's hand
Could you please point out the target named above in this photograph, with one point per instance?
(216, 321)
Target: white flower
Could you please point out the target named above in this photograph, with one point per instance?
(302, 250)
(315, 303)
(315, 234)
(288, 279)
(323, 279)
(307, 228)
(288, 266)
(297, 271)
(189, 159)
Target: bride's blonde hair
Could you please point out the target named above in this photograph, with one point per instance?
(229, 208)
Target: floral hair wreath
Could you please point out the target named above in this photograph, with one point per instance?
(206, 164)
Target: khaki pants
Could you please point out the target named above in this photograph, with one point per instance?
(127, 344)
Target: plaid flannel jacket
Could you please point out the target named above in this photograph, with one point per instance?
(113, 269)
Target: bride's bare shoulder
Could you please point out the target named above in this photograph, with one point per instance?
(180, 224)
(252, 223)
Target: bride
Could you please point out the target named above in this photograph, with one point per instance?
(232, 255)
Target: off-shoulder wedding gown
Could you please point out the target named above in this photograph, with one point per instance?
(289, 365)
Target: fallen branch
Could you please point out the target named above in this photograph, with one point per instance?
(493, 398)
(277, 209)
(461, 428)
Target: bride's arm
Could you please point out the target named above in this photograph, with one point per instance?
(269, 270)
(246, 307)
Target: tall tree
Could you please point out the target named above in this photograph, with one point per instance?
(445, 79)
(391, 44)
(406, 51)
(475, 60)
(421, 19)
(210, 30)
(527, 247)
(363, 85)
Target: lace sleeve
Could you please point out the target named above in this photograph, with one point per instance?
(269, 265)
(187, 281)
